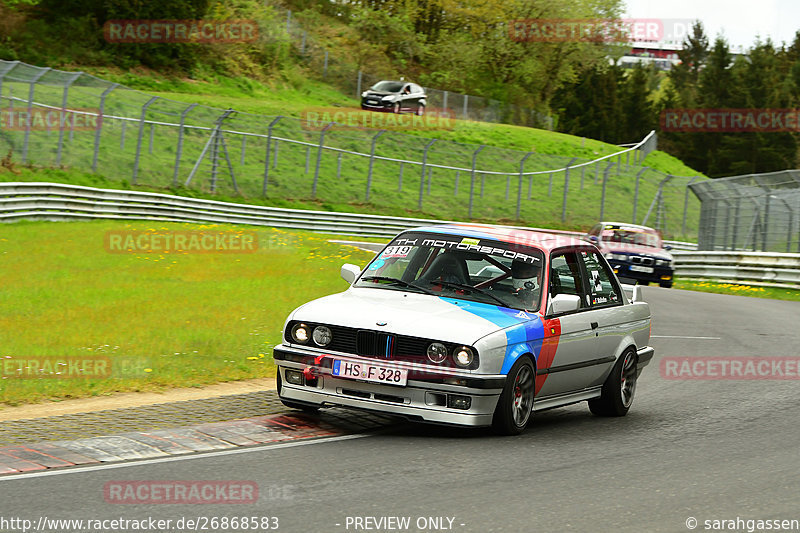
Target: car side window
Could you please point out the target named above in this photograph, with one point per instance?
(565, 276)
(416, 89)
(603, 290)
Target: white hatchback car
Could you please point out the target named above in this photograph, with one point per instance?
(470, 325)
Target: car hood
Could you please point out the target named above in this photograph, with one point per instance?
(416, 315)
(630, 249)
(380, 93)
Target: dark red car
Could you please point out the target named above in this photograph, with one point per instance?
(636, 253)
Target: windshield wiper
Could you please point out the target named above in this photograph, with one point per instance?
(470, 288)
(399, 282)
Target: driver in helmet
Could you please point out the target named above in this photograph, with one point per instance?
(525, 282)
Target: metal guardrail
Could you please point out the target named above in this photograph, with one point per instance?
(57, 201)
(744, 267)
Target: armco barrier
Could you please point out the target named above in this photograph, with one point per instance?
(744, 267)
(58, 201)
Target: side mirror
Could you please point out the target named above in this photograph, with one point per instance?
(563, 303)
(350, 272)
(593, 239)
(667, 247)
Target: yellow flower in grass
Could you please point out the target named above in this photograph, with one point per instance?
(148, 369)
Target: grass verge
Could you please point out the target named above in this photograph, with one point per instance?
(168, 320)
(720, 287)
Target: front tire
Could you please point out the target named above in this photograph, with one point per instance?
(617, 394)
(396, 108)
(515, 405)
(665, 284)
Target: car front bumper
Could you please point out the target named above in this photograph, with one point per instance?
(423, 399)
(658, 275)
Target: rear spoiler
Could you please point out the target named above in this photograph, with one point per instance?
(633, 292)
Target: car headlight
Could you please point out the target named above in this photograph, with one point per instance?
(463, 356)
(663, 262)
(300, 333)
(437, 352)
(364, 94)
(322, 335)
(616, 257)
(388, 98)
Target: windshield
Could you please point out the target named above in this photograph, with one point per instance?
(631, 236)
(453, 266)
(388, 86)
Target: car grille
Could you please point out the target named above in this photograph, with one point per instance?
(378, 344)
(639, 260)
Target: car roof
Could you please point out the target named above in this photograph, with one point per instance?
(536, 239)
(627, 225)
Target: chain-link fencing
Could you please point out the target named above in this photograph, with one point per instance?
(57, 118)
(750, 212)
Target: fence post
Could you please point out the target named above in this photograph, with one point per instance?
(422, 178)
(656, 198)
(372, 160)
(325, 66)
(430, 177)
(444, 101)
(139, 141)
(211, 139)
(100, 124)
(566, 190)
(603, 194)
(400, 179)
(686, 205)
(458, 174)
(549, 187)
(358, 85)
(319, 158)
(30, 112)
(472, 180)
(63, 117)
(466, 100)
(288, 20)
(521, 177)
(303, 45)
(266, 157)
(636, 193)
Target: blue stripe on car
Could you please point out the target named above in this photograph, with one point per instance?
(523, 335)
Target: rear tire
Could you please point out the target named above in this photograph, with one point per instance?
(665, 284)
(396, 108)
(617, 394)
(513, 411)
(305, 407)
(420, 110)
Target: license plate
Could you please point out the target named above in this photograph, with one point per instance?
(371, 102)
(637, 268)
(369, 372)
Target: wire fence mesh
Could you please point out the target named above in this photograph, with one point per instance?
(57, 118)
(750, 212)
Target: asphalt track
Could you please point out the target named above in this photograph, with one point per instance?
(702, 449)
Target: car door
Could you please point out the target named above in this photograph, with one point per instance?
(570, 345)
(608, 316)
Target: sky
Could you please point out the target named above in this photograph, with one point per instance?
(739, 21)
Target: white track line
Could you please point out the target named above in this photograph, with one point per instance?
(202, 455)
(684, 337)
